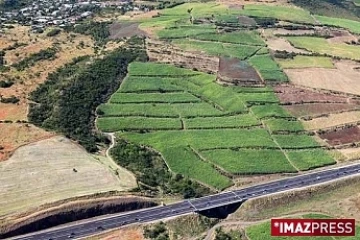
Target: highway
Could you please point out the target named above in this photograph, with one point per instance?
(96, 225)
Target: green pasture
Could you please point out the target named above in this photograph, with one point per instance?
(300, 61)
(237, 121)
(310, 159)
(249, 161)
(321, 45)
(268, 68)
(113, 124)
(353, 26)
(176, 97)
(217, 48)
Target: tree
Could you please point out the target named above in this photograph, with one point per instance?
(191, 16)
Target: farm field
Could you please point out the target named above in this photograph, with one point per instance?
(281, 44)
(310, 159)
(295, 141)
(34, 176)
(14, 135)
(283, 125)
(217, 48)
(316, 109)
(332, 120)
(269, 111)
(237, 162)
(322, 46)
(237, 121)
(351, 25)
(112, 124)
(286, 13)
(181, 97)
(268, 68)
(342, 136)
(344, 78)
(222, 120)
(251, 38)
(293, 94)
(300, 61)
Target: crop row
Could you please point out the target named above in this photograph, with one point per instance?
(183, 160)
(175, 97)
(217, 48)
(157, 69)
(112, 124)
(159, 110)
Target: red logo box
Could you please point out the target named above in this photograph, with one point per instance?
(312, 227)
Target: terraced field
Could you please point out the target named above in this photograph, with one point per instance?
(322, 46)
(207, 131)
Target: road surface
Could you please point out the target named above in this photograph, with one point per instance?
(91, 226)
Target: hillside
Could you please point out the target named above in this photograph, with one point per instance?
(190, 99)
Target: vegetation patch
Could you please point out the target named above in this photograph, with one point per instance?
(283, 125)
(269, 111)
(112, 124)
(248, 161)
(310, 159)
(296, 141)
(204, 139)
(237, 37)
(47, 54)
(217, 48)
(237, 121)
(268, 68)
(322, 46)
(183, 160)
(71, 110)
(151, 171)
(287, 13)
(177, 97)
(306, 62)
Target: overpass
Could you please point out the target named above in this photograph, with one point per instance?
(89, 227)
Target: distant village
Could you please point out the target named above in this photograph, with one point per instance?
(43, 13)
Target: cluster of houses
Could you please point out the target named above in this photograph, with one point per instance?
(43, 13)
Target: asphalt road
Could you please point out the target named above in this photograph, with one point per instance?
(91, 226)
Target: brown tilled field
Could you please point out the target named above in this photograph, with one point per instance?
(342, 136)
(344, 78)
(292, 94)
(121, 30)
(315, 109)
(51, 170)
(332, 120)
(238, 72)
(281, 44)
(351, 153)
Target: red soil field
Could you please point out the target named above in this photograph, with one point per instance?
(343, 136)
(292, 94)
(236, 71)
(313, 109)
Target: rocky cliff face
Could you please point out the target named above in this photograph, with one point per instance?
(163, 52)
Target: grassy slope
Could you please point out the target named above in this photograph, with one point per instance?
(320, 45)
(353, 26)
